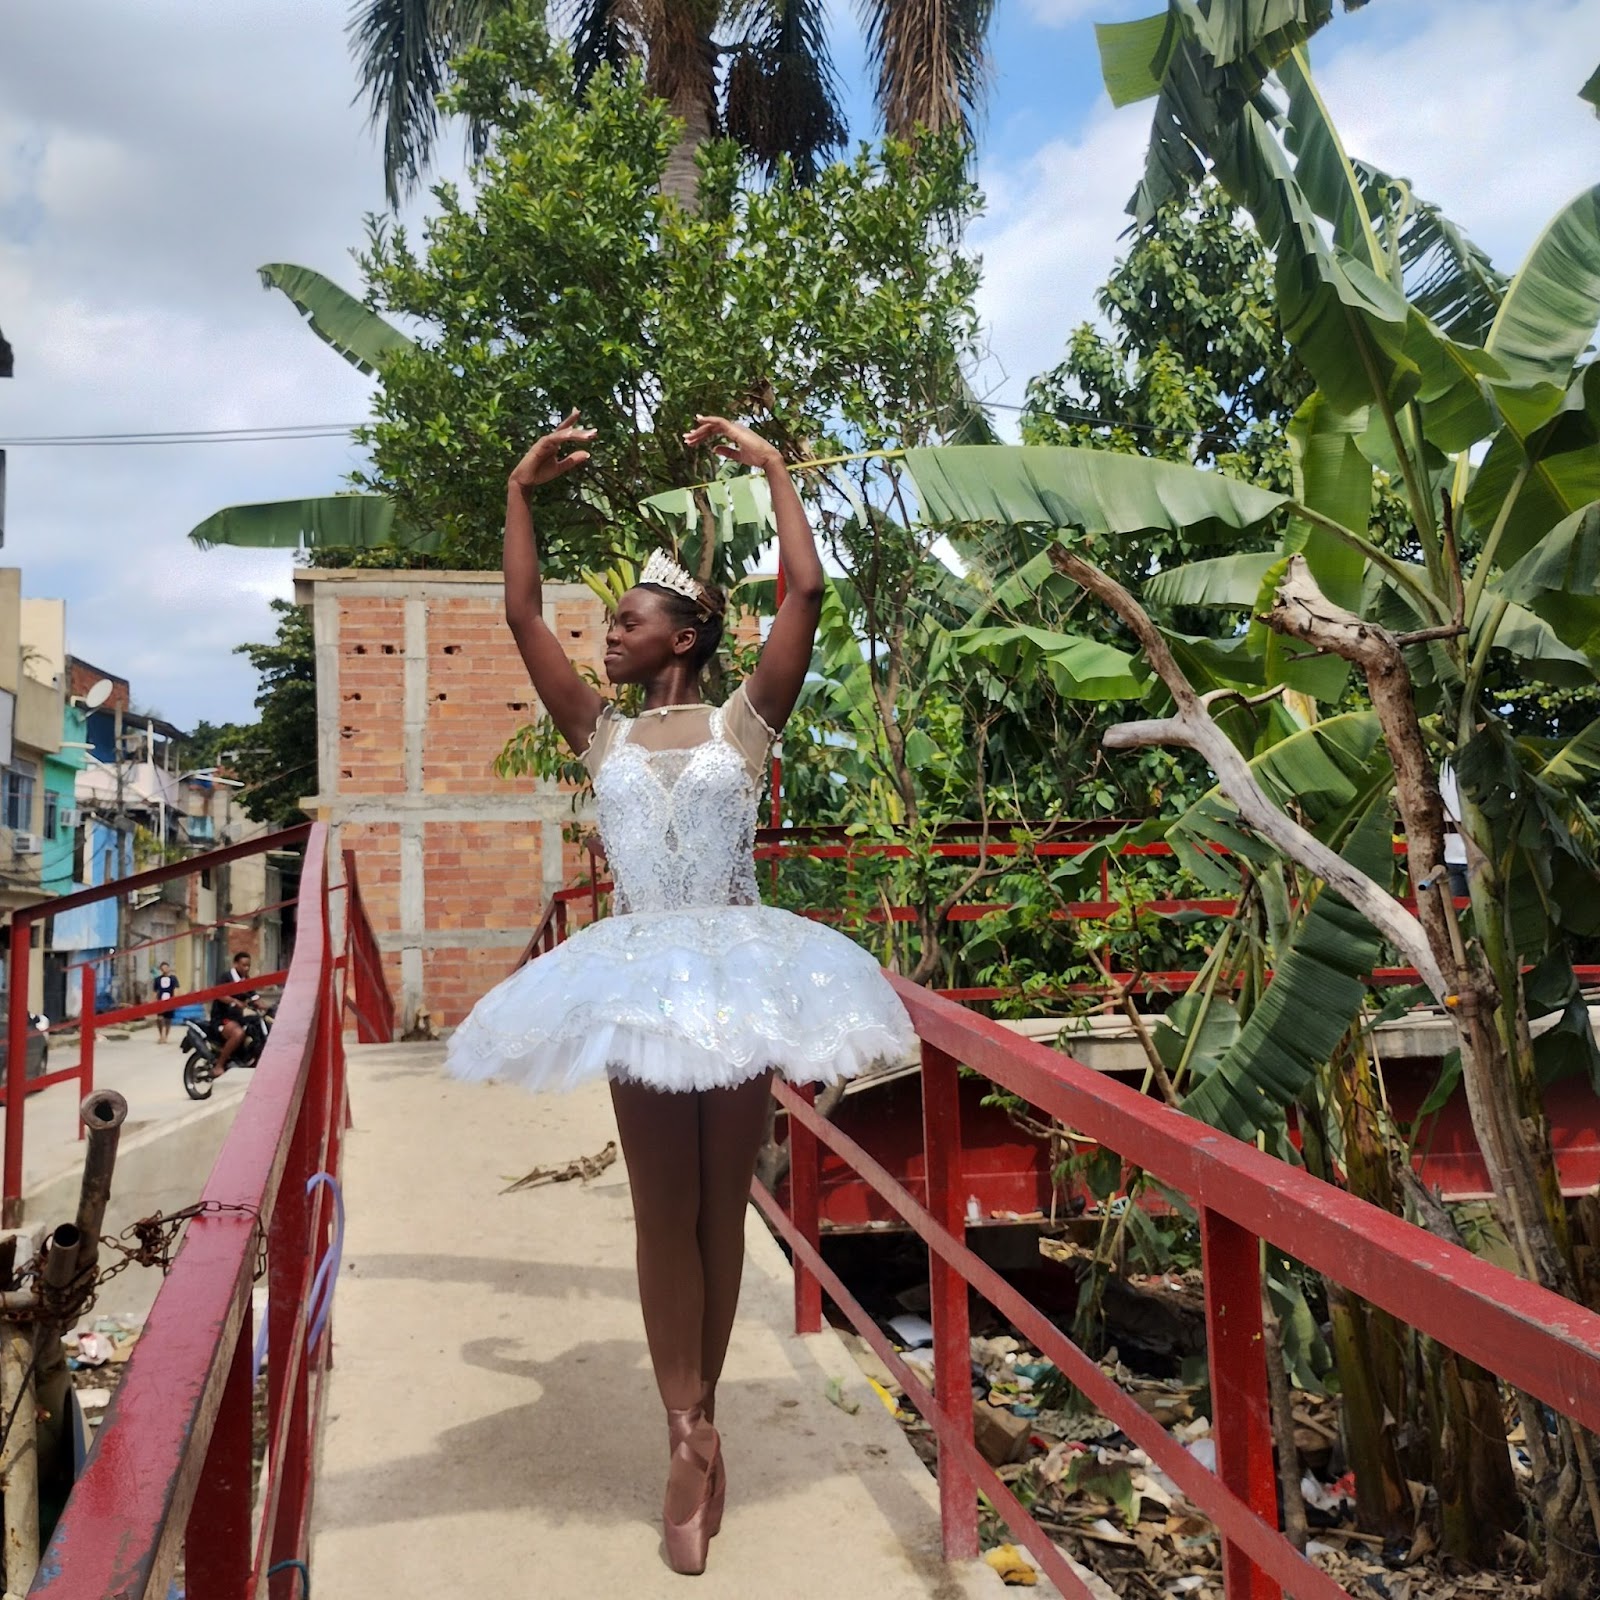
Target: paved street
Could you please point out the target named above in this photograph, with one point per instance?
(147, 1074)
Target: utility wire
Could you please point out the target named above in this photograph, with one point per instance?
(274, 433)
(266, 434)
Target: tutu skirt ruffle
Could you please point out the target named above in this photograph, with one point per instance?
(680, 1000)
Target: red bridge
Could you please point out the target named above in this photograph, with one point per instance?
(487, 1432)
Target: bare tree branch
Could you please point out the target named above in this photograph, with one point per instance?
(1193, 728)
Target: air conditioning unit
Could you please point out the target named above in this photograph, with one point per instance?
(24, 844)
(68, 818)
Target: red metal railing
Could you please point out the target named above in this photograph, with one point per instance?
(1532, 1338)
(171, 1469)
(832, 843)
(23, 921)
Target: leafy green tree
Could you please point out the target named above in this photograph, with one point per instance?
(1192, 364)
(758, 72)
(839, 313)
(275, 757)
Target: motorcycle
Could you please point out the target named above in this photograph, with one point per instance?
(202, 1044)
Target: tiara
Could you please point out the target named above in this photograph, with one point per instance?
(665, 573)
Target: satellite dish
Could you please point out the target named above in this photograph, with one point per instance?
(98, 694)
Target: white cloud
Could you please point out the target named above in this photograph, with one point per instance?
(152, 157)
(1477, 105)
(1048, 241)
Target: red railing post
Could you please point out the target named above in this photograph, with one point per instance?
(1241, 1419)
(217, 1534)
(86, 1040)
(952, 1340)
(805, 1206)
(16, 1068)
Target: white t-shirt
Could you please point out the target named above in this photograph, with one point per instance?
(1455, 848)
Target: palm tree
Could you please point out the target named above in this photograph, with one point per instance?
(758, 71)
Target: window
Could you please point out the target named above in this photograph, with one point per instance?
(52, 805)
(20, 776)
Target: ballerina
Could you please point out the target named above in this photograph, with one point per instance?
(693, 994)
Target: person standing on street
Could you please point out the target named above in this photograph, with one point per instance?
(166, 989)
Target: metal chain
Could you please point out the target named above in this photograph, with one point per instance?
(153, 1238)
(148, 1242)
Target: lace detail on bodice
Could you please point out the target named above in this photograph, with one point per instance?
(678, 825)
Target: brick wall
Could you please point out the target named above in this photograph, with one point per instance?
(418, 687)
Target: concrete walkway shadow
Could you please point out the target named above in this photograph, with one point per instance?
(493, 1426)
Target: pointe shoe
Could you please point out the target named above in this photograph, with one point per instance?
(719, 1492)
(719, 1473)
(687, 1541)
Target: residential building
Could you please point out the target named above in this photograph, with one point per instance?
(31, 698)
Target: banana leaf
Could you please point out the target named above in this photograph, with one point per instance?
(741, 513)
(1331, 476)
(1557, 463)
(1229, 582)
(1559, 580)
(1575, 766)
(327, 522)
(1197, 1031)
(1448, 278)
(1542, 829)
(1315, 995)
(1098, 491)
(1551, 415)
(1539, 654)
(1329, 772)
(1550, 311)
(1201, 66)
(356, 331)
(1077, 668)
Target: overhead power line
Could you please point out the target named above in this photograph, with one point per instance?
(278, 433)
(265, 434)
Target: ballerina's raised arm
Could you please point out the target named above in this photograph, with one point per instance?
(572, 704)
(775, 684)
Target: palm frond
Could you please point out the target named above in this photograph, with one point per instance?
(932, 62)
(403, 50)
(781, 95)
(606, 35)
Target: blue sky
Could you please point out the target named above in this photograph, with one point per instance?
(152, 155)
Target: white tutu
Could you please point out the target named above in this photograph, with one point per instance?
(692, 999)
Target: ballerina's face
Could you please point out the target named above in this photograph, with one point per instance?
(643, 637)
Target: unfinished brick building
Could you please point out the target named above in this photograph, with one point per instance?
(419, 685)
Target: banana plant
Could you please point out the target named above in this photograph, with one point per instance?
(323, 522)
(1473, 392)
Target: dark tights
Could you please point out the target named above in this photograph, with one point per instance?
(690, 1160)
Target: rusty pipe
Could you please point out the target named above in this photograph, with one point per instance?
(61, 1259)
(103, 1114)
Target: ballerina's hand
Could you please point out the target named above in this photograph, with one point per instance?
(738, 443)
(545, 461)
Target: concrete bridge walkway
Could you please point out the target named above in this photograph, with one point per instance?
(492, 1424)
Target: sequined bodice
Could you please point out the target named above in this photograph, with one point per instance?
(678, 825)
